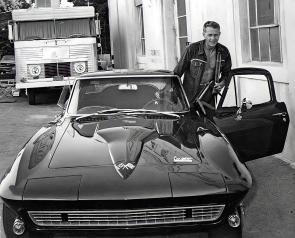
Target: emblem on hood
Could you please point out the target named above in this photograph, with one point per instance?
(124, 169)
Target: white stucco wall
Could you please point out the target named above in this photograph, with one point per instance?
(200, 11)
(159, 28)
(153, 29)
(123, 32)
(286, 92)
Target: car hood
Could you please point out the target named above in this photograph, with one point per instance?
(132, 158)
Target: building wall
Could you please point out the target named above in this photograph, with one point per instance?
(154, 35)
(122, 32)
(161, 41)
(200, 11)
(288, 22)
(159, 27)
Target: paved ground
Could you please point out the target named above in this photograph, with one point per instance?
(270, 206)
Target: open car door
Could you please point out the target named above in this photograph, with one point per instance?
(250, 116)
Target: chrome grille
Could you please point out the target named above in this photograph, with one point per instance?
(136, 217)
(57, 69)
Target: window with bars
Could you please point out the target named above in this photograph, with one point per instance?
(264, 30)
(182, 25)
(141, 29)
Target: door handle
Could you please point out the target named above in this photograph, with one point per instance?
(280, 114)
(283, 115)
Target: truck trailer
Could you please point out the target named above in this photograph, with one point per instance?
(52, 46)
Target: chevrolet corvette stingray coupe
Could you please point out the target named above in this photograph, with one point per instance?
(130, 156)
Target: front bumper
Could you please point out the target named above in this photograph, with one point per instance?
(21, 208)
(45, 83)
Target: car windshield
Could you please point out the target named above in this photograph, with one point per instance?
(163, 94)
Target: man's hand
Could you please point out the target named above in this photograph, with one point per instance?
(219, 86)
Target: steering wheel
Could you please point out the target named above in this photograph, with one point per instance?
(155, 103)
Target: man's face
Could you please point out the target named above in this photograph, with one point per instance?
(211, 36)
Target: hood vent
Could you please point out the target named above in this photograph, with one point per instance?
(125, 146)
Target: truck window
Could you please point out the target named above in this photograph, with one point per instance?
(65, 28)
(74, 28)
(32, 30)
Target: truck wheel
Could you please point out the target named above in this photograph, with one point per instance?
(8, 220)
(32, 96)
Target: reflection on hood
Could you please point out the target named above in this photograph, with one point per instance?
(122, 141)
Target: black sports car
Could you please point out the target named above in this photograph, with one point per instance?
(130, 156)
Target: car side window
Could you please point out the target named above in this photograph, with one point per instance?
(253, 87)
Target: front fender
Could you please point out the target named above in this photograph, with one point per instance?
(219, 153)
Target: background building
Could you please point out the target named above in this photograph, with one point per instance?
(259, 33)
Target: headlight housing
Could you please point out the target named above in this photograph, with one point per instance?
(34, 70)
(80, 67)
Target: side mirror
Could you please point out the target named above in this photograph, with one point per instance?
(64, 96)
(246, 104)
(10, 31)
(97, 27)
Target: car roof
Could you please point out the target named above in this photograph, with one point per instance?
(126, 73)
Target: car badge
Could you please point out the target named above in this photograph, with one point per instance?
(124, 170)
(182, 159)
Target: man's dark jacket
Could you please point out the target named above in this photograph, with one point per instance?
(192, 65)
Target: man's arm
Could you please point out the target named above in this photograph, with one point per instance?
(225, 70)
(183, 63)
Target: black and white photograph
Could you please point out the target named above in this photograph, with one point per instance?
(147, 118)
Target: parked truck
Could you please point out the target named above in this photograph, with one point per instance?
(52, 46)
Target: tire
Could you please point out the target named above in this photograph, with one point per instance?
(8, 218)
(32, 96)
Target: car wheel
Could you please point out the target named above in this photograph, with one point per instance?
(8, 218)
(32, 96)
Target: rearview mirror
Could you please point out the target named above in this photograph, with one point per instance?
(127, 87)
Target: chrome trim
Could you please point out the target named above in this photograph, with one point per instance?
(127, 218)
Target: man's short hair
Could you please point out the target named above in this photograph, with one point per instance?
(212, 24)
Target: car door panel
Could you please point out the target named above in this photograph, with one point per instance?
(259, 131)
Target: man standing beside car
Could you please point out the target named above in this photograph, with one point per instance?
(204, 63)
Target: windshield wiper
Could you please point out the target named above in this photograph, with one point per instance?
(148, 111)
(76, 35)
(35, 38)
(116, 111)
